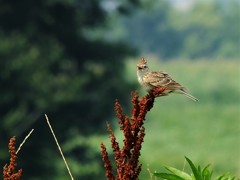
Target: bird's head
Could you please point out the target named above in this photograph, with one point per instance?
(142, 65)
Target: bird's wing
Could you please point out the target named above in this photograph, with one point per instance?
(160, 79)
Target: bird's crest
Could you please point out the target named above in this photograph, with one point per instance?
(142, 61)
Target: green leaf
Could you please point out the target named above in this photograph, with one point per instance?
(168, 176)
(206, 174)
(199, 169)
(196, 173)
(223, 177)
(179, 173)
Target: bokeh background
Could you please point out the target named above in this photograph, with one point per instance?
(72, 59)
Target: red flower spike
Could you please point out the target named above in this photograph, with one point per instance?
(9, 170)
(107, 163)
(126, 158)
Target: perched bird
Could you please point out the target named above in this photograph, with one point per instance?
(152, 79)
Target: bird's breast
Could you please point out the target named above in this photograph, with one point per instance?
(140, 80)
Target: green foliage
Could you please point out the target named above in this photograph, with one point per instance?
(201, 30)
(150, 31)
(197, 173)
(49, 65)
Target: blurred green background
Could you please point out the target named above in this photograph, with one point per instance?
(72, 59)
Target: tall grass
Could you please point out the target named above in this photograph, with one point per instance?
(207, 131)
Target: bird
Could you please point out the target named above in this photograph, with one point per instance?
(153, 79)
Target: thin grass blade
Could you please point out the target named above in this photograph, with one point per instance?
(195, 171)
(179, 173)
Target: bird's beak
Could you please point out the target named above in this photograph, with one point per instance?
(139, 67)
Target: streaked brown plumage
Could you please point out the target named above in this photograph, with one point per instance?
(152, 79)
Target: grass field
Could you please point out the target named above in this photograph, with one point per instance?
(207, 131)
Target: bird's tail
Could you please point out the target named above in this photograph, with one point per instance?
(181, 91)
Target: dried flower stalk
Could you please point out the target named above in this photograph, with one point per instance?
(9, 170)
(127, 157)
